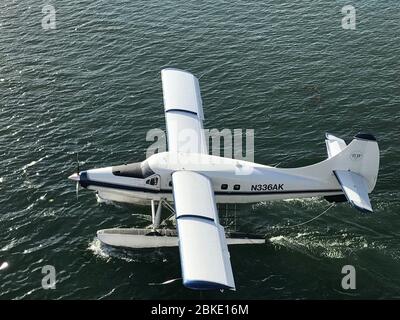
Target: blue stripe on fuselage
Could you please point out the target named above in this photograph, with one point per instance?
(85, 182)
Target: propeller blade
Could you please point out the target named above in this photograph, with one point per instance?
(76, 176)
(77, 163)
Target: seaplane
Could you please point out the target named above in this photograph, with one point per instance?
(190, 183)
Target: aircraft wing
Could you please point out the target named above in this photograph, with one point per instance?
(183, 112)
(203, 249)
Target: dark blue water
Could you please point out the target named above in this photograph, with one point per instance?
(286, 69)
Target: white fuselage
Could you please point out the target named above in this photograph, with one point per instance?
(233, 181)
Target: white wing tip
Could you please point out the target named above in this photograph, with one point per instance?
(176, 70)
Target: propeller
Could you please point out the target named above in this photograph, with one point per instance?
(77, 163)
(77, 172)
(77, 190)
(76, 176)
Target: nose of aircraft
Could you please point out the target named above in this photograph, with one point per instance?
(74, 177)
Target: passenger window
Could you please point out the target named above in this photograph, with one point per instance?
(224, 186)
(170, 183)
(236, 187)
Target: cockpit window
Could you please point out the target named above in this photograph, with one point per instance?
(152, 181)
(140, 170)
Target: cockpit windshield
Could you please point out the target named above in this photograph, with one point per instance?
(140, 170)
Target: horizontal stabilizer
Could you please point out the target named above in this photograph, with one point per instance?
(355, 188)
(334, 145)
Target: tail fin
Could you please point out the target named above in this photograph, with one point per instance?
(356, 167)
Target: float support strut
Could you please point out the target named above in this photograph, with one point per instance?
(157, 219)
(153, 212)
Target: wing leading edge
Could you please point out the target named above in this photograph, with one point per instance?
(203, 249)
